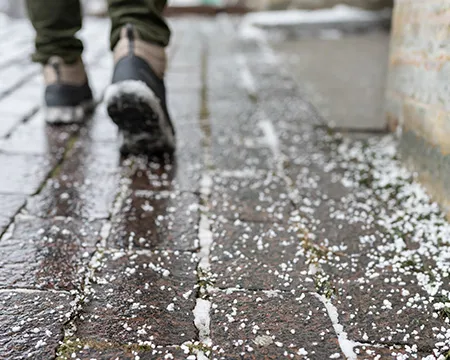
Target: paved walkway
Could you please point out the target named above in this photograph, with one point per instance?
(267, 237)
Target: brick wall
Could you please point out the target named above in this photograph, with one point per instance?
(418, 94)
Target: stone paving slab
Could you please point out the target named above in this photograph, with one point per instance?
(9, 206)
(100, 128)
(46, 254)
(84, 186)
(184, 107)
(32, 323)
(162, 220)
(387, 310)
(141, 298)
(180, 173)
(98, 351)
(25, 172)
(391, 352)
(41, 140)
(224, 157)
(258, 256)
(250, 198)
(271, 325)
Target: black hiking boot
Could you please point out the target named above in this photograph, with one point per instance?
(68, 97)
(136, 100)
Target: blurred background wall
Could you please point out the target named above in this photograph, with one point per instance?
(418, 96)
(15, 8)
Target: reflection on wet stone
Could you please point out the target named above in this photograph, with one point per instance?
(157, 220)
(31, 324)
(180, 173)
(40, 139)
(85, 186)
(23, 174)
(9, 206)
(46, 254)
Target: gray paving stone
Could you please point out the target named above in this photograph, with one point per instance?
(183, 81)
(16, 74)
(388, 352)
(107, 351)
(258, 256)
(165, 175)
(101, 128)
(31, 323)
(142, 295)
(85, 185)
(33, 137)
(250, 198)
(269, 325)
(388, 309)
(184, 107)
(161, 220)
(230, 117)
(46, 254)
(23, 174)
(231, 157)
(180, 173)
(9, 206)
(246, 125)
(14, 108)
(145, 297)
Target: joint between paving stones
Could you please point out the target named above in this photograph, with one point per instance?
(69, 327)
(26, 290)
(88, 277)
(27, 78)
(24, 120)
(69, 145)
(202, 321)
(324, 287)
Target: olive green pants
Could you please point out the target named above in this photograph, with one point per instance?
(57, 21)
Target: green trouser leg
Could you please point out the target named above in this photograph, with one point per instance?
(145, 15)
(56, 22)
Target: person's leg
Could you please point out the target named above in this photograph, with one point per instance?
(136, 100)
(56, 22)
(68, 97)
(144, 15)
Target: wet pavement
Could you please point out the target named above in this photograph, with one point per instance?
(267, 236)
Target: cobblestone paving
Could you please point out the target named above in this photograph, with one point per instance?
(265, 237)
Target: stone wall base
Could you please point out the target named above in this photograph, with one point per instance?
(418, 90)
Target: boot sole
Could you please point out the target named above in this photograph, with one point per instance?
(138, 113)
(69, 114)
